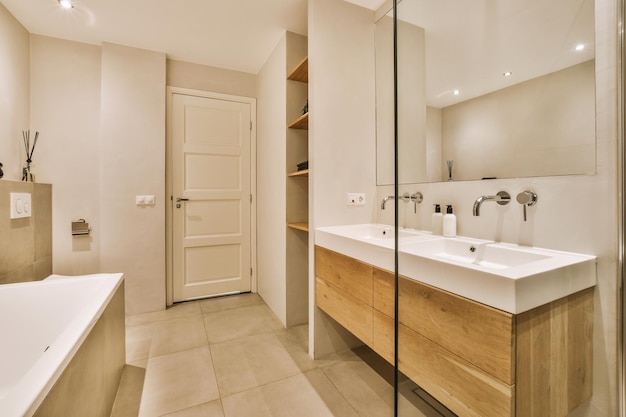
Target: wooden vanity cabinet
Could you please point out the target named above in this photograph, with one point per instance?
(476, 360)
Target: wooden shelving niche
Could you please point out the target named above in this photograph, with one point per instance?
(300, 72)
(301, 122)
(296, 218)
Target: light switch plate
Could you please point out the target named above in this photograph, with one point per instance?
(21, 205)
(145, 200)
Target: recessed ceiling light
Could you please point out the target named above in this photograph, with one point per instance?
(507, 73)
(66, 4)
(580, 47)
(456, 92)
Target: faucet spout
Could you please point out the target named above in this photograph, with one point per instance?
(382, 203)
(502, 198)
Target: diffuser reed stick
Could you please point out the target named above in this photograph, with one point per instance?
(26, 174)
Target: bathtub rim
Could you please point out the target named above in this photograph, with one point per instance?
(25, 397)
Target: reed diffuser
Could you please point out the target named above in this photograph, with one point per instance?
(27, 175)
(450, 164)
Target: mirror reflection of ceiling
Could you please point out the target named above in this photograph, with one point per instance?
(471, 44)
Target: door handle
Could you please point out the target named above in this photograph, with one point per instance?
(179, 200)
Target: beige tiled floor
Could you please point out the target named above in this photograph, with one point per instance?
(231, 357)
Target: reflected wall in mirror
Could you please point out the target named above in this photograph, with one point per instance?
(503, 89)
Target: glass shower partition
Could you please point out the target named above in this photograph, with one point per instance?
(477, 88)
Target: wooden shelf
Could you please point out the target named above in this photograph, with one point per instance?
(300, 72)
(303, 173)
(301, 122)
(299, 226)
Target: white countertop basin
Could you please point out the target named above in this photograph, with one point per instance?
(509, 277)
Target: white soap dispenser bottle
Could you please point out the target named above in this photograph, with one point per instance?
(436, 223)
(449, 223)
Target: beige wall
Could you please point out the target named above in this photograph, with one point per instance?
(132, 162)
(271, 187)
(65, 109)
(217, 80)
(101, 114)
(342, 142)
(15, 96)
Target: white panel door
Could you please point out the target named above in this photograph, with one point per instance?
(211, 236)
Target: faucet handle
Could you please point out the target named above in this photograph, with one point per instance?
(416, 198)
(527, 198)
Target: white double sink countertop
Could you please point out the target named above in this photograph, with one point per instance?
(505, 276)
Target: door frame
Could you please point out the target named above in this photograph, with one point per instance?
(169, 206)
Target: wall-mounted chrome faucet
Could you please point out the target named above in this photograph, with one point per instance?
(416, 198)
(527, 199)
(501, 198)
(382, 203)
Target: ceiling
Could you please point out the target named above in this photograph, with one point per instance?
(233, 34)
(469, 43)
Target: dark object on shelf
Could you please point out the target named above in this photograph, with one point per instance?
(1, 172)
(305, 109)
(303, 165)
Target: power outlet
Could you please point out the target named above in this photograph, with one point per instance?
(356, 199)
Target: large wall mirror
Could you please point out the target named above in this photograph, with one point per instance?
(487, 89)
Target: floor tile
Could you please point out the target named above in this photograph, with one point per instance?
(362, 387)
(138, 341)
(178, 334)
(231, 357)
(245, 321)
(212, 305)
(175, 311)
(211, 409)
(178, 381)
(252, 361)
(128, 397)
(410, 404)
(305, 395)
(296, 349)
(301, 335)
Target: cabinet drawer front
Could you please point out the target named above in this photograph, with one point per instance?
(384, 293)
(460, 386)
(384, 336)
(555, 356)
(480, 334)
(351, 313)
(348, 274)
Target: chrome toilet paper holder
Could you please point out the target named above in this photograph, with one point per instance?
(80, 228)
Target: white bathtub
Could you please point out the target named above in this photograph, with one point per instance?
(42, 326)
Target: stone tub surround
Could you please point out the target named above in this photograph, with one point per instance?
(26, 244)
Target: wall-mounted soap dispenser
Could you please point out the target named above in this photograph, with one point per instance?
(449, 223)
